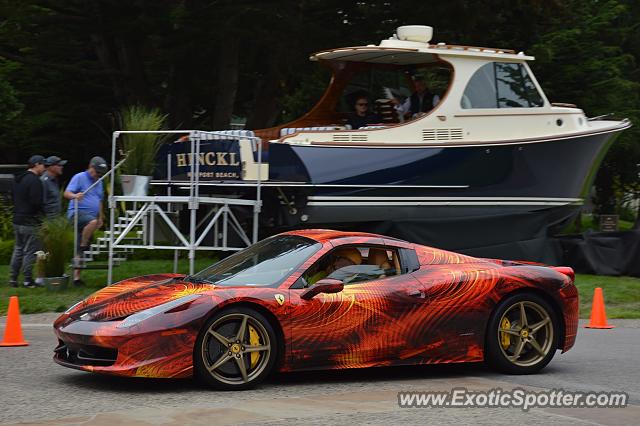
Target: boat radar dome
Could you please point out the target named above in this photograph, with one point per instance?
(409, 36)
(415, 33)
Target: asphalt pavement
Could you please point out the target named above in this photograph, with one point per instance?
(35, 390)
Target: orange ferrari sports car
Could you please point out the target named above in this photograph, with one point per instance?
(323, 299)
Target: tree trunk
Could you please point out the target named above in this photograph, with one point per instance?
(104, 52)
(178, 100)
(226, 83)
(129, 54)
(265, 109)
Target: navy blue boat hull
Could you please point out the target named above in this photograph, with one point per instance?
(498, 199)
(559, 168)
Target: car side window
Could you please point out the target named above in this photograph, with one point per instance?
(354, 264)
(358, 273)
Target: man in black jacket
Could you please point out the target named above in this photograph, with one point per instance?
(420, 102)
(28, 200)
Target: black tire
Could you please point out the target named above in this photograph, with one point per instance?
(210, 350)
(501, 349)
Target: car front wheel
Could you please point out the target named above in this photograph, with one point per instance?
(236, 350)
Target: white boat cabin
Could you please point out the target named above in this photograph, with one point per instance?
(478, 95)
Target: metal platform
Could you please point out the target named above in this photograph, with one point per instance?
(143, 212)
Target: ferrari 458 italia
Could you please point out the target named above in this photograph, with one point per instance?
(323, 299)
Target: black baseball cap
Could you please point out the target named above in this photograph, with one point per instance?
(54, 161)
(36, 159)
(99, 164)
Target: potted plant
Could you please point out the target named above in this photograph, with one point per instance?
(56, 235)
(141, 149)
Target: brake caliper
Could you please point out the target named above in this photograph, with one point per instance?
(254, 340)
(505, 338)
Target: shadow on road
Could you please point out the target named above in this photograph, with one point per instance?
(95, 382)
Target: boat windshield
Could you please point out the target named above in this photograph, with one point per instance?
(265, 264)
(388, 91)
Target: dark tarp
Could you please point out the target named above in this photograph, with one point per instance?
(512, 236)
(528, 237)
(602, 253)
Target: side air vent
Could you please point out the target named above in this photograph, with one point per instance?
(439, 135)
(455, 134)
(345, 137)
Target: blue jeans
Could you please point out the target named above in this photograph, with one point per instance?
(24, 252)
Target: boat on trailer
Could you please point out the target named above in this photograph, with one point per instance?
(493, 168)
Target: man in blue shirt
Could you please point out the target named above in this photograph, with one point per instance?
(90, 216)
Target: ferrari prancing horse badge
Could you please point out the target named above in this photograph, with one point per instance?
(279, 298)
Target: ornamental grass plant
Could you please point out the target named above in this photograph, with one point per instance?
(56, 235)
(140, 149)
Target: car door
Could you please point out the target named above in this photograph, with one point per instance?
(456, 313)
(370, 322)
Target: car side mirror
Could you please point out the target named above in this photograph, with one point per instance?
(326, 285)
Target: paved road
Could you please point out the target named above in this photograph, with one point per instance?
(34, 390)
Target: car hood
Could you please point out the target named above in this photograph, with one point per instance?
(134, 295)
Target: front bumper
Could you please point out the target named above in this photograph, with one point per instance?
(152, 350)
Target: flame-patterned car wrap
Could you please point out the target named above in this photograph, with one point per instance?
(437, 313)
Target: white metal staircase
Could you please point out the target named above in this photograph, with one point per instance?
(153, 221)
(99, 250)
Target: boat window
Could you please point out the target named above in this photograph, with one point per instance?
(501, 85)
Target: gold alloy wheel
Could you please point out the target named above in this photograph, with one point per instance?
(230, 347)
(527, 330)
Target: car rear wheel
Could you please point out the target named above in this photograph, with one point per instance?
(523, 335)
(235, 350)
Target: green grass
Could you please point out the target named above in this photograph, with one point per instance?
(590, 223)
(621, 294)
(35, 300)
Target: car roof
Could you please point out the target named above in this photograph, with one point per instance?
(323, 235)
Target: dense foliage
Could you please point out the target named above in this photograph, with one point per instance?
(66, 66)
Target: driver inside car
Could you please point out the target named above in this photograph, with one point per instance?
(340, 259)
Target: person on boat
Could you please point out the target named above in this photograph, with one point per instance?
(420, 101)
(362, 116)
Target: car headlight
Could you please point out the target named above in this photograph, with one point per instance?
(71, 308)
(136, 318)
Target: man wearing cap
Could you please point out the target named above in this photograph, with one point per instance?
(27, 216)
(90, 216)
(52, 202)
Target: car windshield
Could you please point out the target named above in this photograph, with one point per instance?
(264, 264)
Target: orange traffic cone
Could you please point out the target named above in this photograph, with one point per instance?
(13, 329)
(598, 314)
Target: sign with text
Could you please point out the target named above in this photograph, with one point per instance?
(608, 222)
(218, 160)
